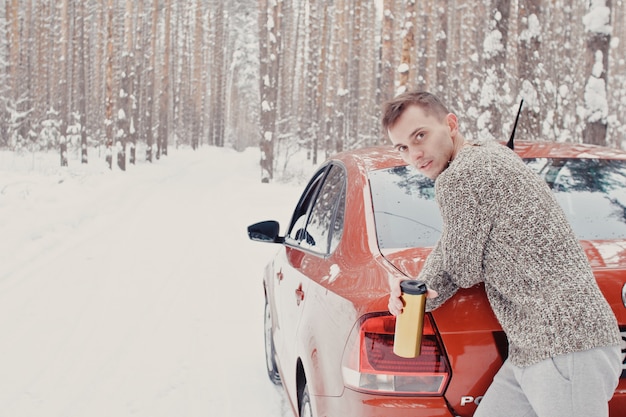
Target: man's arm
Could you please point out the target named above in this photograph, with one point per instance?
(468, 212)
(440, 286)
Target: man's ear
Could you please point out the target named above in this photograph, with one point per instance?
(453, 124)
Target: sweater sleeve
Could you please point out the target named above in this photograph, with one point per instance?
(437, 279)
(468, 212)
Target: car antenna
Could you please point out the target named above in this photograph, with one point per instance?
(510, 142)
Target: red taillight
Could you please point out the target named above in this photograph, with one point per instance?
(370, 364)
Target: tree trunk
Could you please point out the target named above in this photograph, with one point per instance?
(616, 135)
(64, 85)
(341, 70)
(151, 87)
(312, 79)
(441, 48)
(198, 66)
(354, 73)
(131, 104)
(108, 113)
(408, 45)
(13, 34)
(529, 64)
(597, 57)
(140, 60)
(388, 51)
(165, 84)
(82, 83)
(269, 47)
(494, 57)
(217, 130)
(125, 112)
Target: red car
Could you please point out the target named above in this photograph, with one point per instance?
(365, 216)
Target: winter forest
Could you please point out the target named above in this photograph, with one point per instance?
(118, 80)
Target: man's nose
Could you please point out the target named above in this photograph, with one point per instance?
(415, 154)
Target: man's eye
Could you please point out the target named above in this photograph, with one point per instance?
(402, 148)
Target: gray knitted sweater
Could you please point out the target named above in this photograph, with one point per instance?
(502, 226)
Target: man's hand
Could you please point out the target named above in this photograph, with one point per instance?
(395, 302)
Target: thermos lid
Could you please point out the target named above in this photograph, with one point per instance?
(413, 287)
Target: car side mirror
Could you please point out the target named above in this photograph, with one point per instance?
(266, 231)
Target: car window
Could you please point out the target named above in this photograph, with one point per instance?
(592, 193)
(405, 210)
(337, 224)
(317, 222)
(325, 223)
(301, 213)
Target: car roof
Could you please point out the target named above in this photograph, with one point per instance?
(381, 157)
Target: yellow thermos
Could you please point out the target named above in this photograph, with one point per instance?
(410, 323)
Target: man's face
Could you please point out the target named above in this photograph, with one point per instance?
(424, 141)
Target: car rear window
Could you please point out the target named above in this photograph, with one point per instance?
(592, 193)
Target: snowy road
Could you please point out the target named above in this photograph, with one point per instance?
(137, 293)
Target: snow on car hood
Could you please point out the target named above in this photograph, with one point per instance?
(601, 254)
(605, 253)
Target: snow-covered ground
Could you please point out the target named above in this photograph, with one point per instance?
(136, 293)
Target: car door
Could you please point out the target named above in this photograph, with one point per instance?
(309, 240)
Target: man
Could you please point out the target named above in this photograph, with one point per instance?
(503, 227)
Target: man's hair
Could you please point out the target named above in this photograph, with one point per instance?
(394, 108)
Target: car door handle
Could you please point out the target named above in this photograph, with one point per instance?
(299, 295)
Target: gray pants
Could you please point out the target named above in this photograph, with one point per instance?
(578, 384)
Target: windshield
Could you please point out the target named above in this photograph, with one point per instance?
(592, 193)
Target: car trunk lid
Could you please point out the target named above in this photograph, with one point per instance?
(474, 341)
